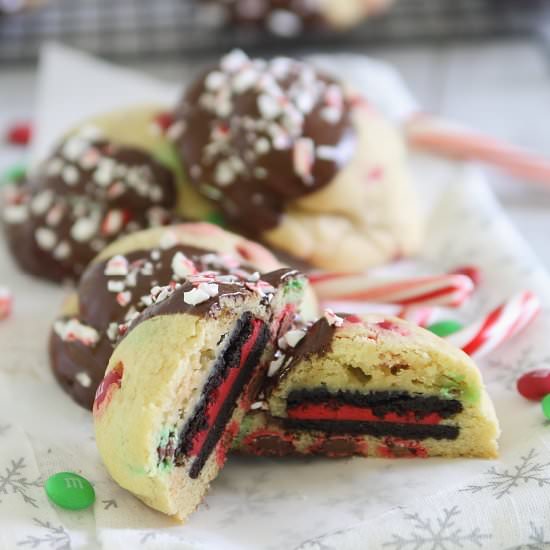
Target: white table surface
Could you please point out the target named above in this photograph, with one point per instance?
(500, 87)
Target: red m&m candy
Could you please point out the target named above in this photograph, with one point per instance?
(534, 384)
(19, 134)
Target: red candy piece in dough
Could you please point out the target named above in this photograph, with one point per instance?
(6, 302)
(164, 121)
(534, 384)
(19, 134)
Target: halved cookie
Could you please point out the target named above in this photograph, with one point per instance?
(180, 381)
(373, 386)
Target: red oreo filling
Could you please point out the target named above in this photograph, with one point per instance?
(377, 413)
(230, 375)
(332, 410)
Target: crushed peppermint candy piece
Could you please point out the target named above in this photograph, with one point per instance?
(269, 107)
(332, 318)
(234, 61)
(303, 158)
(41, 202)
(275, 365)
(83, 378)
(115, 286)
(117, 265)
(168, 240)
(113, 222)
(257, 405)
(292, 337)
(45, 238)
(182, 266)
(73, 330)
(164, 292)
(210, 288)
(112, 331)
(84, 229)
(196, 296)
(6, 302)
(124, 298)
(16, 213)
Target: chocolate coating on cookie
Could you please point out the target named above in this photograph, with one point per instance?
(256, 135)
(114, 292)
(317, 340)
(206, 294)
(87, 194)
(111, 293)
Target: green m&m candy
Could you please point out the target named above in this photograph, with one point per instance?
(70, 491)
(546, 406)
(444, 328)
(14, 174)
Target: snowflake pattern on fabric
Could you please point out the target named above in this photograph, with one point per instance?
(15, 482)
(55, 538)
(109, 503)
(439, 533)
(536, 540)
(501, 483)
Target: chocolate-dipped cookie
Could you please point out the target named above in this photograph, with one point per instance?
(291, 17)
(112, 175)
(180, 381)
(371, 386)
(290, 154)
(116, 287)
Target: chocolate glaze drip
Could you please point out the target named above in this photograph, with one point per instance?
(258, 135)
(381, 402)
(87, 194)
(317, 341)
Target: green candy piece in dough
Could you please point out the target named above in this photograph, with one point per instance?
(445, 328)
(546, 406)
(14, 174)
(216, 218)
(70, 491)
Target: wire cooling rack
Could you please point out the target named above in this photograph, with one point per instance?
(148, 28)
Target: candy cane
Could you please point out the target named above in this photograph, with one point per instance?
(444, 138)
(421, 316)
(444, 290)
(6, 302)
(499, 325)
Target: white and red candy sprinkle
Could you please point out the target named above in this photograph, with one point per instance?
(116, 266)
(73, 330)
(6, 302)
(332, 318)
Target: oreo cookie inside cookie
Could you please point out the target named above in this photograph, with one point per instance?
(230, 374)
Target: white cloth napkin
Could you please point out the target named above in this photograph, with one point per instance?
(311, 504)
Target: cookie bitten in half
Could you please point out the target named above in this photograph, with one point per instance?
(180, 381)
(371, 386)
